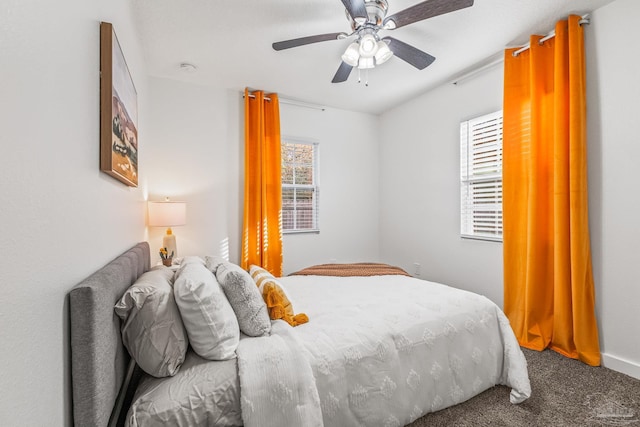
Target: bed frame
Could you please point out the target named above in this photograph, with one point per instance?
(103, 375)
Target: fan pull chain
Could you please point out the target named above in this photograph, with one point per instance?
(366, 77)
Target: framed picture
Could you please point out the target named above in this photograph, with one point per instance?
(118, 111)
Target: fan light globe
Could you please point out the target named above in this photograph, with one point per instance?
(365, 63)
(351, 55)
(368, 46)
(384, 53)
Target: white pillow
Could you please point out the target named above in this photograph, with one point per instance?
(152, 329)
(206, 313)
(188, 259)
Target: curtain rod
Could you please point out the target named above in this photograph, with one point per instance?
(550, 35)
(479, 68)
(292, 102)
(500, 57)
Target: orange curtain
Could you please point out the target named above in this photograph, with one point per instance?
(548, 281)
(262, 225)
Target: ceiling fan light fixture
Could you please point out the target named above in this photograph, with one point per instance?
(383, 54)
(365, 63)
(368, 46)
(389, 25)
(351, 55)
(367, 19)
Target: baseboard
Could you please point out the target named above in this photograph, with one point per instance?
(621, 365)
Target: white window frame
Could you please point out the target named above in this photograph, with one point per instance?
(481, 177)
(315, 186)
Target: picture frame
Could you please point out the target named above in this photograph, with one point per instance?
(118, 111)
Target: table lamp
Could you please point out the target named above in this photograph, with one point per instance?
(167, 214)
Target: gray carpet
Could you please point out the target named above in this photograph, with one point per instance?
(565, 392)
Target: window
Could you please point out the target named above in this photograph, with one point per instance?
(481, 177)
(299, 186)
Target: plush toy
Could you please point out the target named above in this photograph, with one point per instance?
(279, 305)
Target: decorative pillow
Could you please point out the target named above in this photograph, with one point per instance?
(152, 329)
(245, 299)
(262, 277)
(207, 315)
(213, 262)
(278, 303)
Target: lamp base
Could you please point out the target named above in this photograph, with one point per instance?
(169, 242)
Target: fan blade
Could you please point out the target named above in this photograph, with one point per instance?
(409, 54)
(424, 10)
(287, 44)
(343, 73)
(356, 9)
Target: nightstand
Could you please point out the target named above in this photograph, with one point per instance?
(174, 267)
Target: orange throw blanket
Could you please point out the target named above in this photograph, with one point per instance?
(350, 270)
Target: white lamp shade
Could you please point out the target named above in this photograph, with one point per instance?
(383, 54)
(167, 214)
(351, 55)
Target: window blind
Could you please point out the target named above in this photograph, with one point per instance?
(481, 177)
(300, 190)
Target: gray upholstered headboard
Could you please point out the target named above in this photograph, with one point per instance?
(99, 361)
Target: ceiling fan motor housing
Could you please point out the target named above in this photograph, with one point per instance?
(376, 9)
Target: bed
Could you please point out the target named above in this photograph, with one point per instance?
(382, 350)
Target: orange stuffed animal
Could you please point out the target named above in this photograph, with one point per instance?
(279, 305)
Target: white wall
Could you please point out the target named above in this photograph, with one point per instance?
(194, 142)
(419, 192)
(348, 186)
(60, 218)
(613, 91)
(420, 187)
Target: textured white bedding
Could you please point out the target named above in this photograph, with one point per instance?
(377, 351)
(203, 393)
(385, 350)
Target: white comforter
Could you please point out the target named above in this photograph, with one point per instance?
(377, 351)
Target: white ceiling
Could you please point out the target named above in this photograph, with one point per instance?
(229, 41)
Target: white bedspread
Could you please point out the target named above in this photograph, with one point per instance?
(276, 381)
(377, 351)
(385, 350)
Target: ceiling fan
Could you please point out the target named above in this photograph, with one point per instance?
(367, 18)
